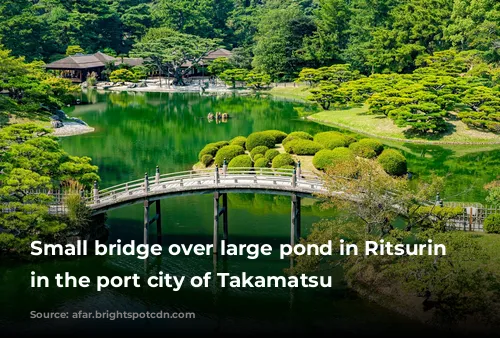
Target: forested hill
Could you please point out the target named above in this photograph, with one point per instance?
(277, 36)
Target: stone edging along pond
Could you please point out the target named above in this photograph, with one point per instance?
(398, 139)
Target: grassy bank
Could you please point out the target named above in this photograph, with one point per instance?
(291, 92)
(356, 119)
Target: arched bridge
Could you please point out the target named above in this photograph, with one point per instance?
(219, 181)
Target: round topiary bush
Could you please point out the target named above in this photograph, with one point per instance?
(332, 139)
(282, 160)
(277, 135)
(362, 150)
(271, 154)
(209, 149)
(207, 159)
(326, 157)
(261, 163)
(259, 139)
(241, 161)
(228, 153)
(297, 135)
(374, 144)
(393, 162)
(220, 144)
(287, 167)
(258, 150)
(492, 224)
(238, 141)
(257, 156)
(302, 147)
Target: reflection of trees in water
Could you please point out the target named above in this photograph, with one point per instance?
(466, 174)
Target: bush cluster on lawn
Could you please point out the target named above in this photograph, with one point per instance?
(258, 150)
(261, 163)
(271, 154)
(326, 157)
(257, 156)
(297, 135)
(228, 153)
(302, 147)
(492, 224)
(367, 148)
(277, 135)
(282, 160)
(332, 139)
(393, 162)
(238, 141)
(207, 159)
(211, 149)
(259, 139)
(241, 161)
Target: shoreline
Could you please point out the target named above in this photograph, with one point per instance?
(72, 129)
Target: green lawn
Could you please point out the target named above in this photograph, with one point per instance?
(357, 120)
(298, 93)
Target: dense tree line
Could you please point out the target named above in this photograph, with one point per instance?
(276, 37)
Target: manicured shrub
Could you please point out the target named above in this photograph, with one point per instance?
(326, 157)
(258, 150)
(376, 145)
(238, 141)
(287, 167)
(271, 154)
(240, 161)
(362, 150)
(393, 162)
(228, 153)
(302, 147)
(220, 144)
(333, 139)
(277, 135)
(282, 160)
(209, 149)
(492, 224)
(261, 163)
(297, 135)
(259, 139)
(207, 159)
(257, 156)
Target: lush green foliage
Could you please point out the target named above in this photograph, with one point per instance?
(277, 135)
(393, 162)
(332, 139)
(492, 224)
(297, 135)
(219, 65)
(31, 160)
(257, 156)
(207, 159)
(238, 141)
(257, 80)
(367, 148)
(271, 154)
(228, 153)
(260, 139)
(240, 161)
(231, 76)
(72, 50)
(258, 150)
(326, 158)
(261, 163)
(282, 160)
(302, 147)
(209, 149)
(123, 75)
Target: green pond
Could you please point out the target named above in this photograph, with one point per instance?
(135, 132)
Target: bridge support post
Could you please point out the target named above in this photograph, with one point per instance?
(216, 223)
(299, 170)
(146, 221)
(217, 213)
(295, 221)
(158, 222)
(224, 219)
(96, 192)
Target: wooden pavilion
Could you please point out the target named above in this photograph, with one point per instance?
(78, 67)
